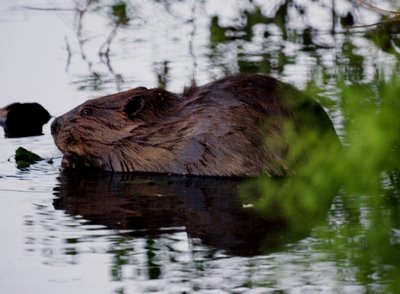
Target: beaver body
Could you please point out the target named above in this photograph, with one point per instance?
(230, 127)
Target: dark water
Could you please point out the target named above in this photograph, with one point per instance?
(102, 233)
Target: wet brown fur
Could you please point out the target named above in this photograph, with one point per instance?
(230, 127)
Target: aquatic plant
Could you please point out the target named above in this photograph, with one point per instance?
(363, 178)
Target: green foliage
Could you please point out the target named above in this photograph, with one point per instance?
(363, 177)
(302, 199)
(24, 158)
(370, 177)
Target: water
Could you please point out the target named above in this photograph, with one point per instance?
(94, 233)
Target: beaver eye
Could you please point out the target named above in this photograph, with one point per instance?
(86, 112)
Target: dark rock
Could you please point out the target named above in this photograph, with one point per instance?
(23, 119)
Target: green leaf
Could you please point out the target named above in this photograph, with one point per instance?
(24, 158)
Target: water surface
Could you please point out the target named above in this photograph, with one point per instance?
(103, 233)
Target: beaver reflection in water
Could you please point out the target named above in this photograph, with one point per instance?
(231, 127)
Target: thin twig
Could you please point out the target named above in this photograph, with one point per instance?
(390, 20)
(375, 8)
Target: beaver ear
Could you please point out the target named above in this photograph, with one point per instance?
(134, 106)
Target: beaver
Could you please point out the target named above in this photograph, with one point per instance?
(23, 119)
(230, 127)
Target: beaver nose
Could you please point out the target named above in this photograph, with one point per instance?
(55, 125)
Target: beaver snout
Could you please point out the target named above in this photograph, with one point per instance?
(55, 125)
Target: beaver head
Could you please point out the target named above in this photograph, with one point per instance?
(113, 132)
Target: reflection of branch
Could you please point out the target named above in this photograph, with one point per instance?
(104, 51)
(69, 53)
(191, 44)
(80, 9)
(387, 21)
(108, 41)
(106, 54)
(81, 41)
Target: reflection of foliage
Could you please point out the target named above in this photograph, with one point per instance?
(119, 12)
(351, 63)
(365, 233)
(242, 32)
(217, 34)
(266, 37)
(121, 251)
(154, 270)
(93, 81)
(386, 36)
(274, 35)
(162, 72)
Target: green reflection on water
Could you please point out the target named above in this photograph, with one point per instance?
(154, 270)
(119, 12)
(121, 251)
